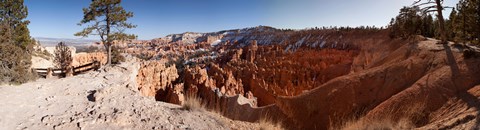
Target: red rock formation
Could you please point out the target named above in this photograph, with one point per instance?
(315, 79)
(251, 51)
(237, 54)
(176, 94)
(85, 58)
(154, 76)
(413, 82)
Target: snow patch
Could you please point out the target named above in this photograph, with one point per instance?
(323, 44)
(215, 42)
(288, 48)
(315, 44)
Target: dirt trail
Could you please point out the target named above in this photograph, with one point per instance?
(101, 99)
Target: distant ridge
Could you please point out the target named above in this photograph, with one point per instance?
(47, 42)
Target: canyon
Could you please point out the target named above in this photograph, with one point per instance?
(302, 79)
(323, 79)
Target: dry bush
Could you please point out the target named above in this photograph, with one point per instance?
(15, 64)
(193, 103)
(377, 124)
(469, 53)
(267, 123)
(42, 54)
(144, 56)
(117, 57)
(411, 116)
(63, 56)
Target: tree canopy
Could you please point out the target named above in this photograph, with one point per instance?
(467, 21)
(13, 14)
(108, 20)
(428, 6)
(16, 45)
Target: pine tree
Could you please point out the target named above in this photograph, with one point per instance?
(434, 6)
(428, 28)
(407, 23)
(450, 24)
(109, 21)
(15, 42)
(13, 13)
(467, 22)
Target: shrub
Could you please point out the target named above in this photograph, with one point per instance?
(16, 45)
(14, 64)
(193, 103)
(198, 53)
(410, 116)
(468, 53)
(43, 54)
(88, 49)
(177, 62)
(268, 124)
(117, 57)
(144, 56)
(63, 56)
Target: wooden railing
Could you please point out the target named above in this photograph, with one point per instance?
(70, 71)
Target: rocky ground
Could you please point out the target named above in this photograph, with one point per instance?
(104, 99)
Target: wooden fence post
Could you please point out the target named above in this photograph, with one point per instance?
(96, 65)
(49, 73)
(69, 72)
(34, 71)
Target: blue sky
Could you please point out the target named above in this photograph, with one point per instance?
(157, 18)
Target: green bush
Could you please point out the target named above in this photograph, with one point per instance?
(14, 64)
(117, 57)
(16, 45)
(144, 56)
(88, 49)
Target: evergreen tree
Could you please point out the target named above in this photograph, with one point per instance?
(407, 23)
(427, 27)
(434, 6)
(450, 23)
(16, 45)
(109, 21)
(13, 13)
(467, 21)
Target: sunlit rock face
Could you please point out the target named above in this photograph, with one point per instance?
(154, 77)
(85, 58)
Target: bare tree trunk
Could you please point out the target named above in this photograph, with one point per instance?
(109, 55)
(464, 34)
(478, 19)
(109, 44)
(441, 21)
